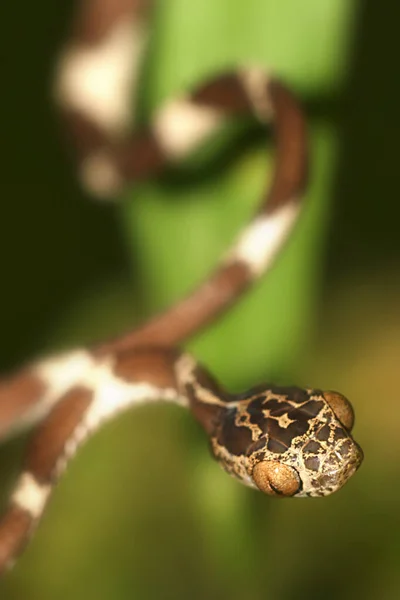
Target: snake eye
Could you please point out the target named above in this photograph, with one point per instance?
(276, 479)
(341, 407)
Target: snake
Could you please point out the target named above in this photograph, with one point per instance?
(285, 441)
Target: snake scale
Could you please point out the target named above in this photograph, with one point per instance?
(285, 441)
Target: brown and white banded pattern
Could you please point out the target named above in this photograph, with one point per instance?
(284, 441)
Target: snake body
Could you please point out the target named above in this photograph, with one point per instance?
(285, 441)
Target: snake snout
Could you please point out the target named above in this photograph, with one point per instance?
(344, 460)
(326, 466)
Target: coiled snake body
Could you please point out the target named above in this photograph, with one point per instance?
(284, 441)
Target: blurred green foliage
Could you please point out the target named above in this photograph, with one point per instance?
(143, 512)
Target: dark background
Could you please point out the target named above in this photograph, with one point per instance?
(143, 512)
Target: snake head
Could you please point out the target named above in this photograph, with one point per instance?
(289, 441)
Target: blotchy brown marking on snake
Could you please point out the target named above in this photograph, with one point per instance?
(149, 365)
(312, 447)
(345, 448)
(83, 133)
(338, 434)
(255, 411)
(285, 435)
(45, 449)
(136, 158)
(259, 445)
(300, 416)
(312, 462)
(236, 439)
(276, 446)
(139, 157)
(297, 395)
(309, 410)
(14, 527)
(26, 387)
(225, 93)
(324, 433)
(95, 18)
(290, 177)
(276, 408)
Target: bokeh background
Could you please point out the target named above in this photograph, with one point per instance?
(143, 511)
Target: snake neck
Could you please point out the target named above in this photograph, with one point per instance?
(208, 401)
